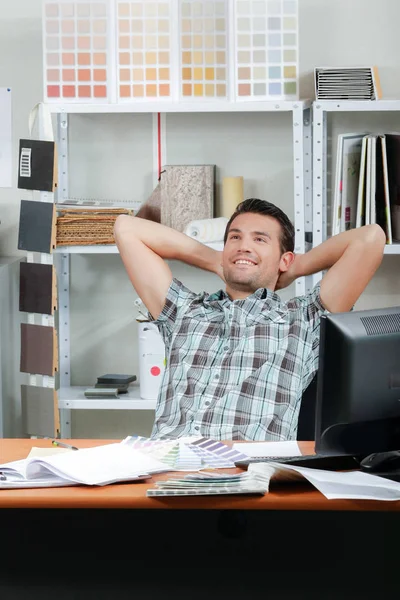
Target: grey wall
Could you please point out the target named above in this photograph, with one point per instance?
(112, 157)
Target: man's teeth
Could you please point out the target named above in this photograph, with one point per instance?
(244, 262)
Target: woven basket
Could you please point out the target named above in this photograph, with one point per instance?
(76, 227)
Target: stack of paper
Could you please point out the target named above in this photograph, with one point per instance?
(100, 465)
(357, 83)
(210, 484)
(188, 454)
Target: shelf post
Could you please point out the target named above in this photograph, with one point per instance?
(63, 279)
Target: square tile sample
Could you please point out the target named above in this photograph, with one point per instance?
(76, 46)
(144, 49)
(266, 49)
(203, 49)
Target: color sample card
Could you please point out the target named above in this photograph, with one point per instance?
(38, 350)
(144, 49)
(204, 49)
(39, 411)
(76, 51)
(37, 288)
(266, 38)
(37, 166)
(37, 226)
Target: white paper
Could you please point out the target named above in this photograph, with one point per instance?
(254, 449)
(5, 138)
(334, 485)
(35, 451)
(100, 465)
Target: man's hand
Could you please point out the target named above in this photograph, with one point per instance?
(218, 266)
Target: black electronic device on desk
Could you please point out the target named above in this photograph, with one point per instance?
(358, 389)
(341, 462)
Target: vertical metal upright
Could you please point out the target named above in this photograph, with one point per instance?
(302, 165)
(63, 282)
(320, 146)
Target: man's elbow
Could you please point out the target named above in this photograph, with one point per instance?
(375, 236)
(123, 225)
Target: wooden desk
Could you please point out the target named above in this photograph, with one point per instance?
(133, 495)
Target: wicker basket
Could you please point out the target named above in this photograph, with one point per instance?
(82, 227)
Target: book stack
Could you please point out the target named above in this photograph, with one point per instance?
(367, 183)
(357, 83)
(110, 386)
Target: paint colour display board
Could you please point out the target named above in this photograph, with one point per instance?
(37, 226)
(37, 288)
(76, 48)
(38, 350)
(127, 51)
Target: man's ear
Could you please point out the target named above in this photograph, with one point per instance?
(286, 261)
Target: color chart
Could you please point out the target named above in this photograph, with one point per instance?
(76, 51)
(127, 51)
(204, 48)
(266, 33)
(144, 49)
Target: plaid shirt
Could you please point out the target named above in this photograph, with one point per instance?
(235, 369)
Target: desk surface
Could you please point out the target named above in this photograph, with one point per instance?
(133, 495)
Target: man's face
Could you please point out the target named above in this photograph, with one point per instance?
(252, 256)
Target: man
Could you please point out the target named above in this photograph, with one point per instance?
(239, 360)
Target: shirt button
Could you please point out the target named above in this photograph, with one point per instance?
(197, 428)
(207, 403)
(226, 348)
(216, 376)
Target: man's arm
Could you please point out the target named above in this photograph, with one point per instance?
(144, 244)
(352, 258)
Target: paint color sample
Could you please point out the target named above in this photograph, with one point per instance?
(38, 350)
(38, 169)
(266, 35)
(144, 49)
(37, 288)
(76, 34)
(37, 226)
(204, 49)
(39, 411)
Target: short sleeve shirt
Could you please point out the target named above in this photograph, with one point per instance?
(235, 369)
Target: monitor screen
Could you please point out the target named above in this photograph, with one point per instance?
(358, 389)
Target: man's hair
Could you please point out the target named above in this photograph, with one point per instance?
(262, 207)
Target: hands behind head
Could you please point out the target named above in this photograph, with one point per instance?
(287, 277)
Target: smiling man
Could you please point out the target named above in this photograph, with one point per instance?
(239, 360)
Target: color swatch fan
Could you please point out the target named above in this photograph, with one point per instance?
(76, 45)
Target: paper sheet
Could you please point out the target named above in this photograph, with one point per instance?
(254, 449)
(35, 451)
(5, 138)
(352, 485)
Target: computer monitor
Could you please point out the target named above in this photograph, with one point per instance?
(358, 387)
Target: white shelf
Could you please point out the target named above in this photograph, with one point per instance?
(392, 249)
(182, 107)
(110, 249)
(73, 398)
(357, 105)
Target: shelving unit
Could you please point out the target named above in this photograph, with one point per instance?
(72, 398)
(320, 111)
